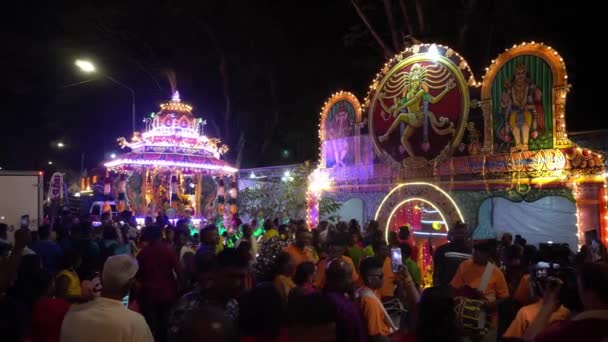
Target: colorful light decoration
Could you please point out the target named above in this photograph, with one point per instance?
(604, 212)
(160, 163)
(576, 194)
(532, 44)
(195, 221)
(424, 246)
(432, 222)
(418, 184)
(560, 138)
(175, 126)
(390, 216)
(173, 146)
(176, 104)
(429, 234)
(318, 181)
(312, 214)
(581, 218)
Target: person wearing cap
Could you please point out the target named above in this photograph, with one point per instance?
(105, 318)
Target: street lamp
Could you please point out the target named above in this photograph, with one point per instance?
(88, 67)
(60, 145)
(85, 66)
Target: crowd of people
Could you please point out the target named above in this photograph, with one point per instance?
(336, 282)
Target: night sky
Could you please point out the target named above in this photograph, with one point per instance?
(282, 59)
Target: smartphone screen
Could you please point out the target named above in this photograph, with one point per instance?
(125, 301)
(396, 259)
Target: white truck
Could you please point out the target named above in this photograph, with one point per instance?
(21, 193)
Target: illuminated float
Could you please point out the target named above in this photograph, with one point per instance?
(173, 169)
(430, 145)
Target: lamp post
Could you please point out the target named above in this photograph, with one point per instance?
(88, 67)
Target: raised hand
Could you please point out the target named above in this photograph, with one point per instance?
(550, 291)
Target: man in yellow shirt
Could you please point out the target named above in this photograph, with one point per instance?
(270, 230)
(68, 284)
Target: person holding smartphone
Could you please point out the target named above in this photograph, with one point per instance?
(412, 268)
(380, 325)
(381, 250)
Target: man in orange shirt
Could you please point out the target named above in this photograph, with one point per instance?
(478, 273)
(526, 315)
(378, 322)
(337, 249)
(301, 250)
(388, 280)
(523, 294)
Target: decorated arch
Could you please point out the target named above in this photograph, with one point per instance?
(427, 193)
(523, 97)
(340, 120)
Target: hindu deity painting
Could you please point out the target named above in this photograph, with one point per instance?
(339, 128)
(418, 110)
(521, 102)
